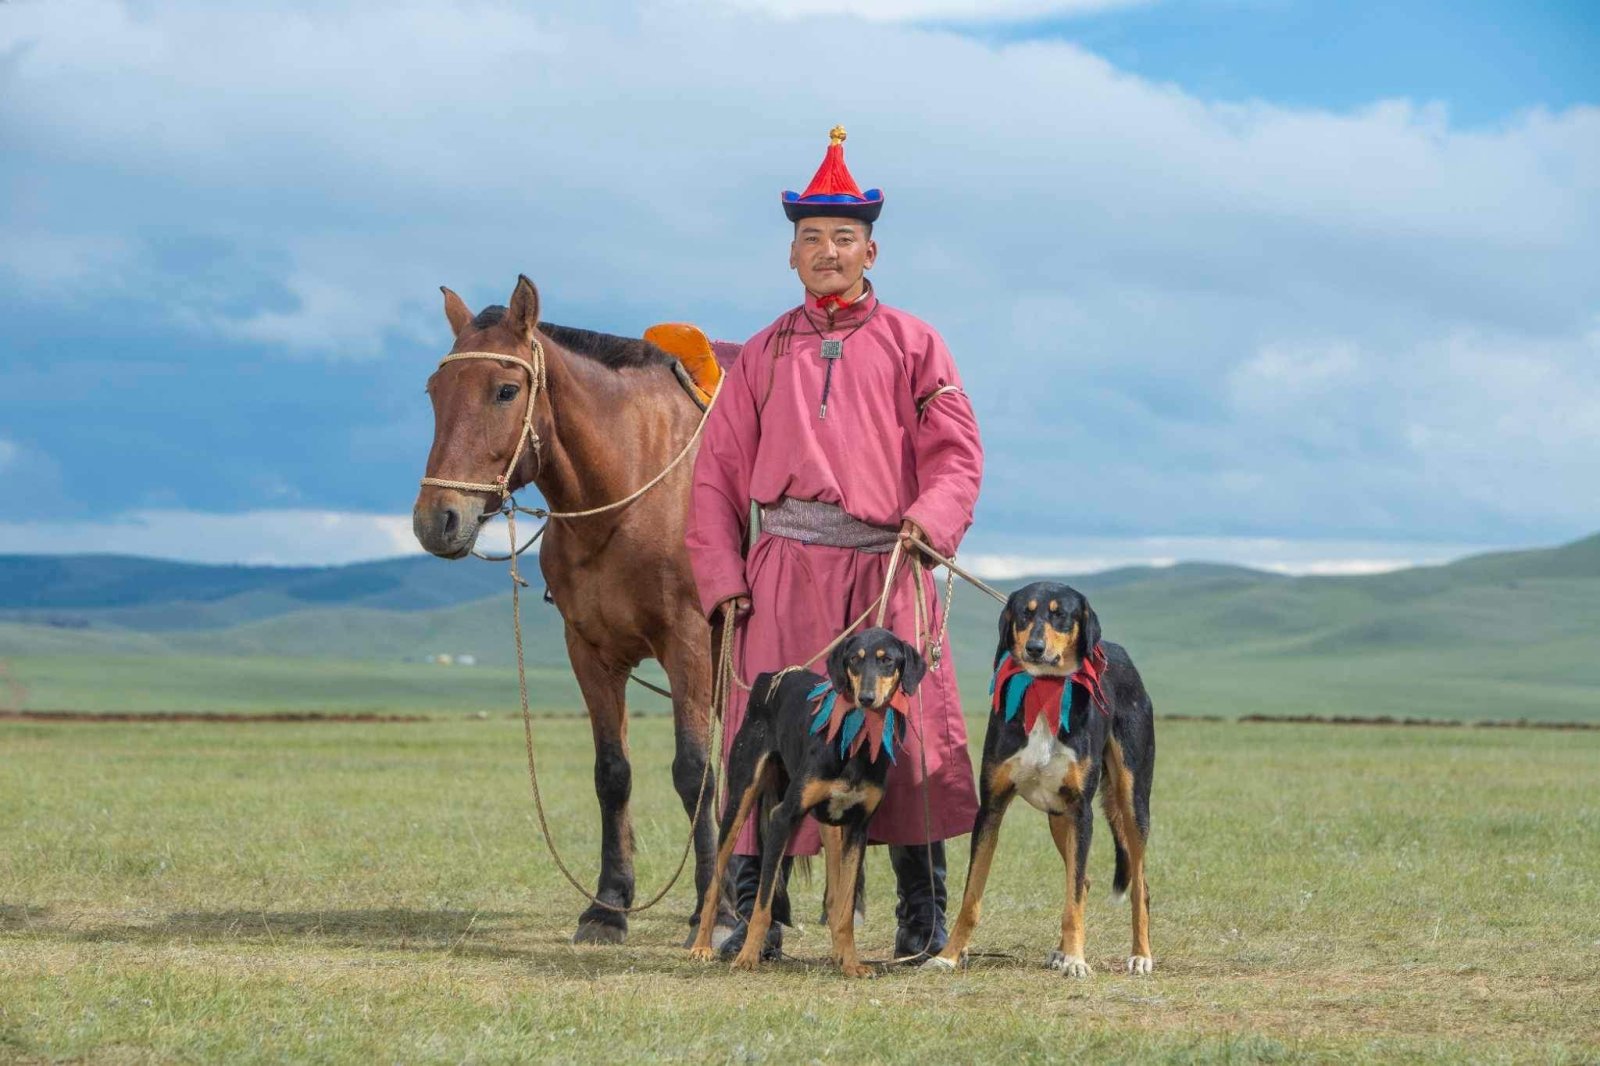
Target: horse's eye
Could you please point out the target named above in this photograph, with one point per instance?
(507, 393)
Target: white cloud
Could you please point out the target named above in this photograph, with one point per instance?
(1090, 555)
(1216, 318)
(304, 537)
(278, 538)
(915, 10)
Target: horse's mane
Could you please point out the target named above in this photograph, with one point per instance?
(606, 349)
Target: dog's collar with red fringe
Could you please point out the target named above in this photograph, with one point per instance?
(854, 725)
(1050, 697)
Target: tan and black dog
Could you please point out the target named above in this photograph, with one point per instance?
(1068, 710)
(820, 746)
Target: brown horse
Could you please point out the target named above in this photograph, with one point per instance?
(610, 416)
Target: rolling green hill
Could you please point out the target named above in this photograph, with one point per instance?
(1507, 635)
(154, 595)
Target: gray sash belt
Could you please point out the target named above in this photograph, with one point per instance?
(815, 522)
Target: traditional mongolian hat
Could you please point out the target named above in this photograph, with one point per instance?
(833, 192)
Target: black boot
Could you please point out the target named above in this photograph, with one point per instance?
(920, 911)
(745, 873)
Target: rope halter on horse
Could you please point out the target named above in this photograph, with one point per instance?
(527, 438)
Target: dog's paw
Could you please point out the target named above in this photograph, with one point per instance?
(747, 960)
(1141, 964)
(857, 969)
(940, 964)
(703, 952)
(1068, 965)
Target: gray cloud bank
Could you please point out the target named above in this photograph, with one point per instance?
(1176, 317)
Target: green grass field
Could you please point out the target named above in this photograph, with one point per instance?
(145, 685)
(350, 893)
(1559, 682)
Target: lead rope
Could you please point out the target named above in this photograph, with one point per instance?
(879, 605)
(718, 696)
(528, 439)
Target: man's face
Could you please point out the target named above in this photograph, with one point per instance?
(831, 254)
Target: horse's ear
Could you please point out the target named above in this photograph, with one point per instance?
(523, 315)
(456, 311)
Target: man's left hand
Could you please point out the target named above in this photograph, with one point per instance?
(909, 529)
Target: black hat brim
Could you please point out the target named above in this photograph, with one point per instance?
(866, 210)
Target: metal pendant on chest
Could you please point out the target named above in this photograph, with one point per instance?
(832, 351)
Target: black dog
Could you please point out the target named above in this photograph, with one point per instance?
(822, 746)
(1067, 709)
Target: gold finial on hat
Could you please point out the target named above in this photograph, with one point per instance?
(836, 135)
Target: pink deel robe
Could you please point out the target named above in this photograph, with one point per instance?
(880, 460)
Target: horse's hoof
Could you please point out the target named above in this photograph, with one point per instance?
(599, 933)
(1141, 964)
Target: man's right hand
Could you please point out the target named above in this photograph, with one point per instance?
(736, 605)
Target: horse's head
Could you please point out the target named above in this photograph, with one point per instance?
(479, 405)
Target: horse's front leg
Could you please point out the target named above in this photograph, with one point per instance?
(688, 666)
(602, 684)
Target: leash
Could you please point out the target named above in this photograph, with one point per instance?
(956, 571)
(719, 681)
(879, 605)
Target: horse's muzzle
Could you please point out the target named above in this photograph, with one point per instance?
(446, 522)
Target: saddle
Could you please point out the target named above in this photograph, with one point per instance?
(701, 359)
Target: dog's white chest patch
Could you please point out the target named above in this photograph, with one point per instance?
(842, 799)
(1039, 770)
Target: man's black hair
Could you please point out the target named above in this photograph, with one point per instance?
(857, 221)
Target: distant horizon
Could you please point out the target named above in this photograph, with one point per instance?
(993, 557)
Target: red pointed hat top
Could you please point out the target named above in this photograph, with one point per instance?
(833, 192)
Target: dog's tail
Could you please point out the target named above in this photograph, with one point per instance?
(1115, 781)
(1119, 880)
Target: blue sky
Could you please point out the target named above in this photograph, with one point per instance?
(1307, 286)
(1485, 61)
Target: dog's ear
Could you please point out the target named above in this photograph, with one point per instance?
(1088, 631)
(1005, 634)
(914, 670)
(837, 676)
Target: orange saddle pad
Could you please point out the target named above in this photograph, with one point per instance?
(694, 350)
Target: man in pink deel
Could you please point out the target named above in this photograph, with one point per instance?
(845, 422)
